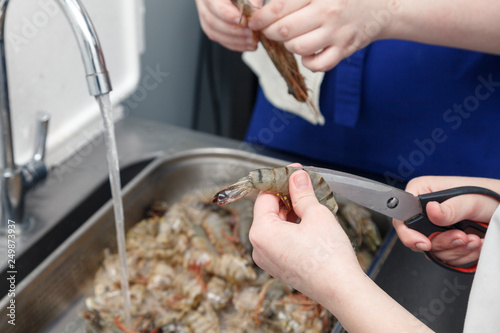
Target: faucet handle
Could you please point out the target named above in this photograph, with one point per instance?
(36, 170)
(42, 130)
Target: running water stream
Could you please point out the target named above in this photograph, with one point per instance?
(114, 180)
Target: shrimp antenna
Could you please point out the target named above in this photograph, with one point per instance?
(241, 17)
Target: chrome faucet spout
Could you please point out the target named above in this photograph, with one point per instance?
(16, 180)
(93, 60)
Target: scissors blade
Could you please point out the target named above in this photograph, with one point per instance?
(382, 198)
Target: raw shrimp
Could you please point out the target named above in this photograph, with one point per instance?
(275, 180)
(283, 60)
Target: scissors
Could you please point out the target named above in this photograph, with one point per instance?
(404, 206)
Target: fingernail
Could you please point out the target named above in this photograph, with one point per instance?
(301, 181)
(457, 243)
(472, 246)
(421, 247)
(442, 209)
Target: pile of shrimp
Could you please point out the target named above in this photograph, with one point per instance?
(190, 270)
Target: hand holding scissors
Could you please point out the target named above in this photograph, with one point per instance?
(404, 206)
(455, 247)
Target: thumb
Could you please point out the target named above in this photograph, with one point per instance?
(301, 192)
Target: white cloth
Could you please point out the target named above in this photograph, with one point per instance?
(483, 310)
(276, 90)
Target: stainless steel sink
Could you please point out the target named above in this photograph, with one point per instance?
(33, 246)
(51, 298)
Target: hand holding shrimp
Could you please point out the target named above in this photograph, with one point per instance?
(315, 239)
(323, 32)
(317, 258)
(220, 20)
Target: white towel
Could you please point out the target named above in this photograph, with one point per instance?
(276, 89)
(483, 310)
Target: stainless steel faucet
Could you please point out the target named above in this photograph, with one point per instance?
(16, 180)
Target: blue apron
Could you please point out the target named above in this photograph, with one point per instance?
(398, 109)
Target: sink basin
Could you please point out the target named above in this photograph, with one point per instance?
(51, 297)
(27, 260)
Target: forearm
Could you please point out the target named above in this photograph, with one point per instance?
(462, 24)
(361, 306)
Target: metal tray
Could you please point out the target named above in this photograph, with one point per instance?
(51, 298)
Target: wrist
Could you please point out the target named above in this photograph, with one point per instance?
(386, 19)
(362, 306)
(344, 288)
(337, 287)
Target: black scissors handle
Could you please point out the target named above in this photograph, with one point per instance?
(422, 224)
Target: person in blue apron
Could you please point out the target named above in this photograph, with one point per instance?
(392, 107)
